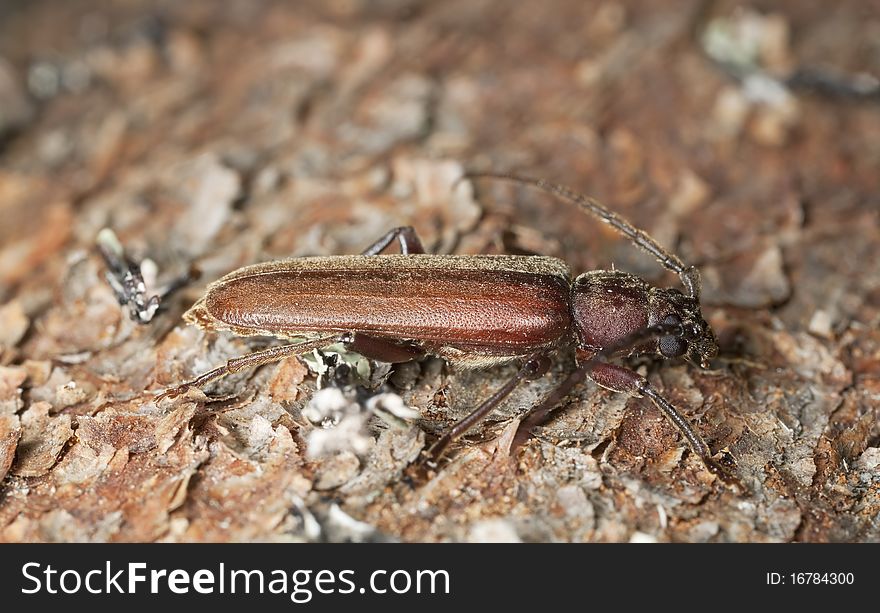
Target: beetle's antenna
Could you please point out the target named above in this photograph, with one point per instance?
(689, 275)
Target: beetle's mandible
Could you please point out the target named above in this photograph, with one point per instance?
(473, 310)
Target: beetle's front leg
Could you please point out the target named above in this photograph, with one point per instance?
(406, 235)
(621, 379)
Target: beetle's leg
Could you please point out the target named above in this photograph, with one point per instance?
(540, 413)
(534, 367)
(625, 380)
(588, 360)
(406, 235)
(621, 379)
(384, 350)
(252, 360)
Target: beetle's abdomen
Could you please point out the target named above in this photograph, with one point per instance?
(501, 304)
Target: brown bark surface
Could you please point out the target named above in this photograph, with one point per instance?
(219, 135)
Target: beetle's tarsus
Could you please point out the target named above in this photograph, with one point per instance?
(173, 392)
(723, 466)
(422, 469)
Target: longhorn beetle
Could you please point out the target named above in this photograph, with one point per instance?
(473, 311)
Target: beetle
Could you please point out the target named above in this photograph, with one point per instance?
(473, 311)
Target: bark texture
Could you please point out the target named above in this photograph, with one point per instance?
(221, 135)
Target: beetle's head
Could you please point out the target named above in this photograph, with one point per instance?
(692, 338)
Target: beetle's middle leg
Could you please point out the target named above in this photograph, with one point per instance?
(534, 367)
(407, 237)
(252, 360)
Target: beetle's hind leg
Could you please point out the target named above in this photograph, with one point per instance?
(407, 237)
(383, 350)
(252, 360)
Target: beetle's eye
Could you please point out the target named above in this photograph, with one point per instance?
(672, 346)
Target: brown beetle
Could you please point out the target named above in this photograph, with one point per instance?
(471, 310)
